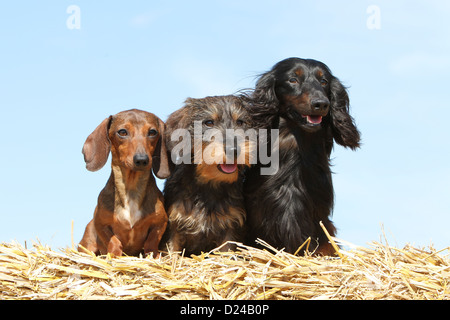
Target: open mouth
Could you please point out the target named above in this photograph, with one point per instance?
(227, 168)
(312, 120)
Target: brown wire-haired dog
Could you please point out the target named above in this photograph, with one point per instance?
(130, 216)
(204, 195)
(310, 107)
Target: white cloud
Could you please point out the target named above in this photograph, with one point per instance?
(147, 18)
(420, 63)
(206, 78)
(142, 20)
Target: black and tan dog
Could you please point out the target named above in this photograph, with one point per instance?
(204, 195)
(310, 107)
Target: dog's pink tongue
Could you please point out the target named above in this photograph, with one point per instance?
(314, 119)
(228, 168)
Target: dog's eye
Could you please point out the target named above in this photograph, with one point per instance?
(122, 133)
(209, 123)
(323, 82)
(293, 80)
(239, 122)
(152, 133)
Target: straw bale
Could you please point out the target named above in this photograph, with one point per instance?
(378, 271)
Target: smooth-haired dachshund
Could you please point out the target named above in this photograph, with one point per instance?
(130, 216)
(310, 107)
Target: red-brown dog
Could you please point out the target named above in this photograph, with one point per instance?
(130, 216)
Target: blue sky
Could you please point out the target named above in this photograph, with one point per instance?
(57, 84)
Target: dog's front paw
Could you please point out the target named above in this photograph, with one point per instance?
(115, 247)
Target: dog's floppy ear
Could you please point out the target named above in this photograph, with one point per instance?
(265, 89)
(97, 146)
(179, 119)
(160, 162)
(343, 125)
(264, 104)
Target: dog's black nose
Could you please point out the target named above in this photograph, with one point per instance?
(140, 160)
(232, 148)
(320, 104)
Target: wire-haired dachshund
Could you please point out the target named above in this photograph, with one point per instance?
(310, 107)
(130, 216)
(204, 195)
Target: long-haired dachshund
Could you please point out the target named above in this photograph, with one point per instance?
(204, 195)
(130, 216)
(310, 107)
